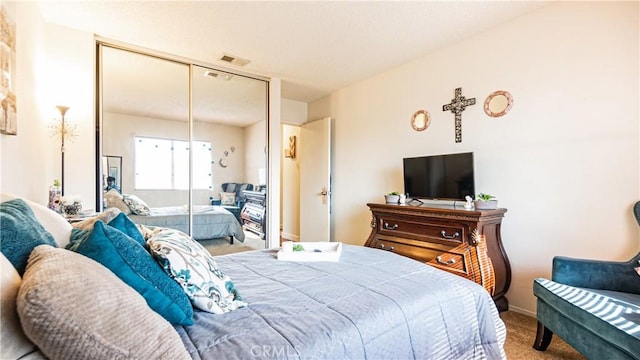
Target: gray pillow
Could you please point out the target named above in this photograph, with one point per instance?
(72, 307)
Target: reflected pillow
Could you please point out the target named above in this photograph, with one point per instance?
(115, 200)
(227, 198)
(191, 265)
(105, 216)
(137, 205)
(20, 232)
(129, 260)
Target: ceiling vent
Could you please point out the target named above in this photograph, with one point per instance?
(218, 75)
(234, 60)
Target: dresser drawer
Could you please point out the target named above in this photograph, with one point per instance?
(420, 253)
(457, 261)
(453, 234)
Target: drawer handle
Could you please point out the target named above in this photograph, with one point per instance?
(444, 235)
(448, 262)
(383, 248)
(388, 227)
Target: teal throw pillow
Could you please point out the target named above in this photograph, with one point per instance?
(20, 232)
(124, 224)
(130, 261)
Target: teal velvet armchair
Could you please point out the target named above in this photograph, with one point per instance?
(593, 305)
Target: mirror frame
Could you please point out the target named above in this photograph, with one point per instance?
(493, 95)
(427, 120)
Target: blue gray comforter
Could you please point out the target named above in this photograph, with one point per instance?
(209, 222)
(372, 304)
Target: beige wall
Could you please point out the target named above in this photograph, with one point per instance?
(290, 185)
(256, 149)
(294, 113)
(565, 160)
(118, 137)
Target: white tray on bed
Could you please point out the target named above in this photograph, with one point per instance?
(329, 251)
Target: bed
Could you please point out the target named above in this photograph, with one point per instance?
(209, 221)
(372, 304)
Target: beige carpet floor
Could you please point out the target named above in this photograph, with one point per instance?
(521, 332)
(521, 329)
(217, 247)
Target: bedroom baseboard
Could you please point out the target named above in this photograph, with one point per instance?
(522, 311)
(289, 237)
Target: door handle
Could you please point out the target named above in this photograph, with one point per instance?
(324, 193)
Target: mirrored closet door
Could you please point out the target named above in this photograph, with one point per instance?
(184, 132)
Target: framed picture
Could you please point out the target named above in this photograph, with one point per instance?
(112, 172)
(291, 151)
(8, 113)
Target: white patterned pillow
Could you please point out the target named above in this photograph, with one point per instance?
(191, 265)
(137, 205)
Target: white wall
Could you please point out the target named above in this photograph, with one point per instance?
(565, 160)
(54, 67)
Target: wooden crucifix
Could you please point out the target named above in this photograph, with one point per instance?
(457, 106)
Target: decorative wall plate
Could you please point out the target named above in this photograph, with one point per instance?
(420, 120)
(498, 103)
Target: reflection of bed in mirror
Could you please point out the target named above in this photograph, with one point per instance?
(209, 222)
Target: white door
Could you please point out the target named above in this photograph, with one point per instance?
(315, 180)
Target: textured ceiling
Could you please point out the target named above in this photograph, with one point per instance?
(315, 47)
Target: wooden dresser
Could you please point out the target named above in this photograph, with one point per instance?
(448, 238)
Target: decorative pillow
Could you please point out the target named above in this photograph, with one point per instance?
(228, 198)
(55, 224)
(134, 265)
(120, 222)
(105, 216)
(136, 205)
(75, 308)
(20, 232)
(124, 224)
(115, 199)
(15, 344)
(191, 265)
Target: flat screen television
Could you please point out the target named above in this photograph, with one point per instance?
(443, 177)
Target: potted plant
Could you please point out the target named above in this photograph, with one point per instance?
(392, 197)
(485, 202)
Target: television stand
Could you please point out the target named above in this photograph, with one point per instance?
(415, 200)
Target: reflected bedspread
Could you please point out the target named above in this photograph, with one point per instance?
(209, 222)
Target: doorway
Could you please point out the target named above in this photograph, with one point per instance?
(306, 181)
